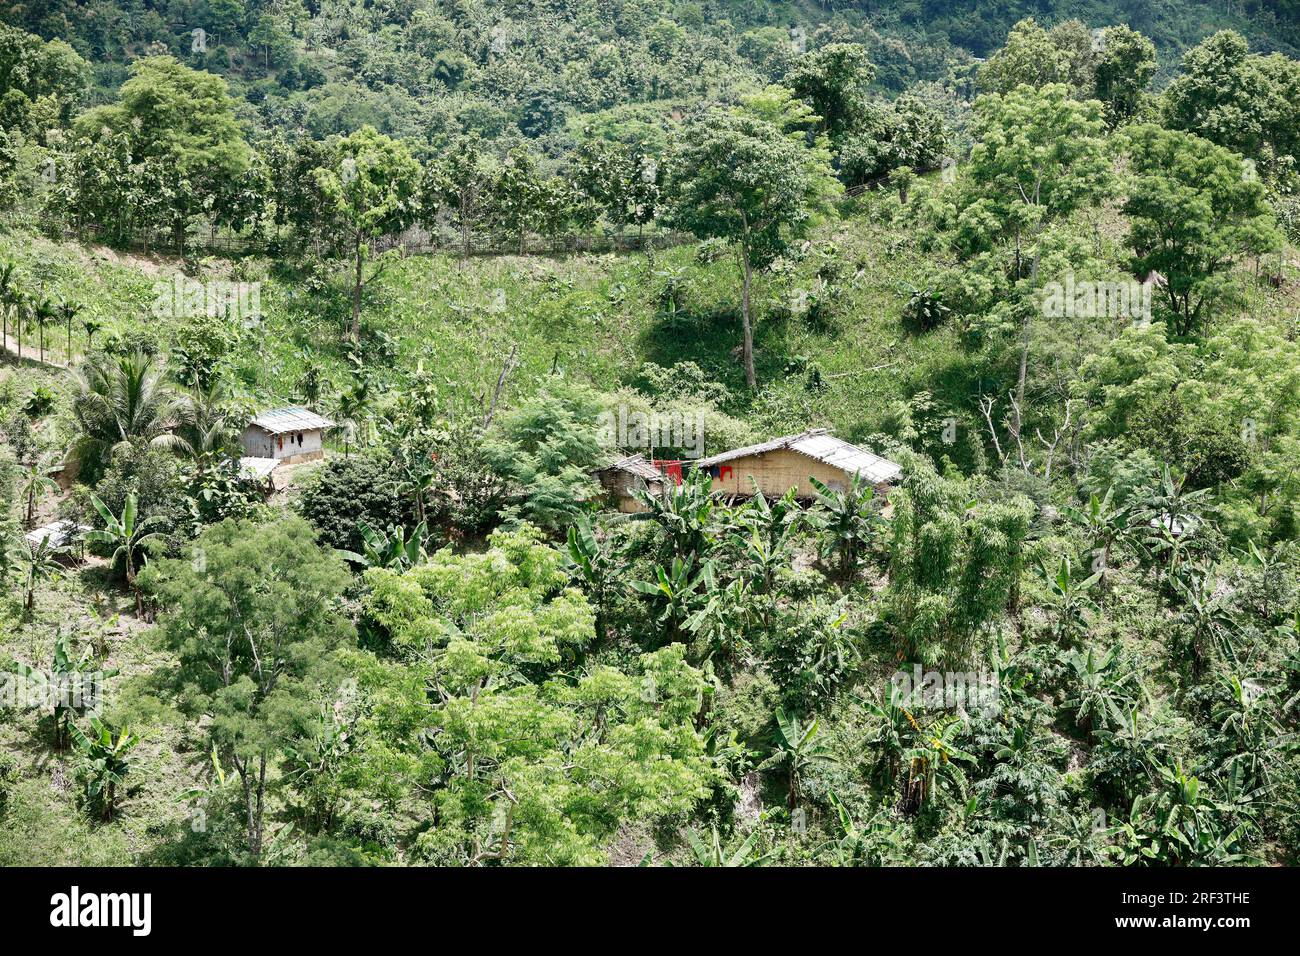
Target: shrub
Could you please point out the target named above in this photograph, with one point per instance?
(346, 492)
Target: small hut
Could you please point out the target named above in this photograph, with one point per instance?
(788, 462)
(621, 478)
(288, 435)
(257, 471)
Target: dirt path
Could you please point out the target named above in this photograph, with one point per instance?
(31, 353)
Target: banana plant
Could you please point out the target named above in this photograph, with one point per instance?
(1104, 523)
(392, 549)
(596, 565)
(1102, 689)
(1248, 718)
(1069, 600)
(890, 734)
(1204, 623)
(72, 685)
(723, 623)
(847, 522)
(677, 591)
(1181, 824)
(127, 536)
(683, 513)
(797, 750)
(878, 841)
(933, 762)
(711, 853)
(1169, 518)
(106, 756)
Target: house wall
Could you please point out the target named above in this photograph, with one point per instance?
(290, 447)
(256, 443)
(777, 472)
(619, 485)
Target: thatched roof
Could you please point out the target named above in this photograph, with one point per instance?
(635, 465)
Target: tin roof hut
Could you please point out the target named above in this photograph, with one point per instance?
(288, 435)
(789, 461)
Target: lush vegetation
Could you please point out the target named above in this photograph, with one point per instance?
(1058, 287)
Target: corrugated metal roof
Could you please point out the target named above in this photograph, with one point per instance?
(60, 534)
(761, 448)
(295, 419)
(257, 468)
(636, 465)
(818, 444)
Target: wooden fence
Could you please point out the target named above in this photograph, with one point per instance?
(413, 242)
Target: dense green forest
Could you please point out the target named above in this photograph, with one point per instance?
(1042, 257)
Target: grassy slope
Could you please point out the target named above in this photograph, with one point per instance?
(593, 317)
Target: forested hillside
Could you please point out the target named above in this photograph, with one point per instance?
(1047, 267)
(545, 70)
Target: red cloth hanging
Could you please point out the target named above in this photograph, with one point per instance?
(673, 469)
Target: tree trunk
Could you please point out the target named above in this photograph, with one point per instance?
(356, 294)
(747, 348)
(466, 207)
(130, 581)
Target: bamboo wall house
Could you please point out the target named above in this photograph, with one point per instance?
(789, 461)
(776, 465)
(621, 478)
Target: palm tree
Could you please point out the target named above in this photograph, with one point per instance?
(68, 310)
(106, 751)
(798, 750)
(205, 428)
(21, 303)
(36, 481)
(126, 536)
(8, 297)
(43, 313)
(90, 324)
(117, 400)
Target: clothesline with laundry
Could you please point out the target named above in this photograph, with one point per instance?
(672, 468)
